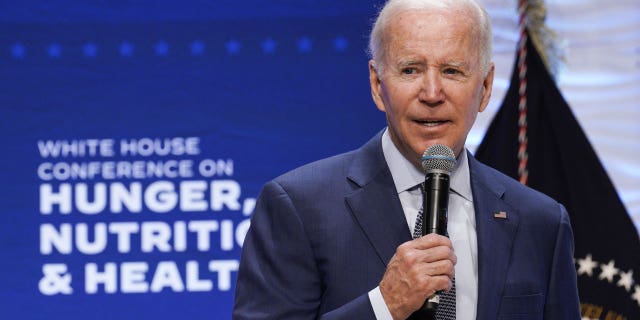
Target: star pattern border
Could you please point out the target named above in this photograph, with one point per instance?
(268, 46)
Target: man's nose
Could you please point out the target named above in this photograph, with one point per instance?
(431, 91)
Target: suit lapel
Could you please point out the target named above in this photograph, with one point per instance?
(377, 209)
(495, 237)
(375, 203)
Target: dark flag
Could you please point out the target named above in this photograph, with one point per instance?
(562, 164)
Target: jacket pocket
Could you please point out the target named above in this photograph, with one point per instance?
(522, 307)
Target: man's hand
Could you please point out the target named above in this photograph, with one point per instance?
(416, 271)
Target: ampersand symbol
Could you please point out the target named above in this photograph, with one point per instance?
(56, 279)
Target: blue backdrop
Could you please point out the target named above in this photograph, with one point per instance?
(136, 136)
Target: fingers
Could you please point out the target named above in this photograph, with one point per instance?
(429, 248)
(433, 276)
(434, 284)
(431, 240)
(419, 269)
(441, 267)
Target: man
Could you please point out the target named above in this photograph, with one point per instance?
(332, 239)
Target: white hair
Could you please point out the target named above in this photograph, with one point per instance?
(482, 26)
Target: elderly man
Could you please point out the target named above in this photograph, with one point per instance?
(333, 239)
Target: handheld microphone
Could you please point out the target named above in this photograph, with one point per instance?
(438, 162)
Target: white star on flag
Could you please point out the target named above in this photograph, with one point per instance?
(626, 280)
(608, 271)
(636, 295)
(586, 266)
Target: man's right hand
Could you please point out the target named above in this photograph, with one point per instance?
(417, 270)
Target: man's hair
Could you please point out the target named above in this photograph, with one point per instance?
(481, 27)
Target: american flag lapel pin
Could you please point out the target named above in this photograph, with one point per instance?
(500, 214)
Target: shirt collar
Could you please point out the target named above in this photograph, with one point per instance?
(406, 175)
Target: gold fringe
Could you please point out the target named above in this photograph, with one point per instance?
(544, 39)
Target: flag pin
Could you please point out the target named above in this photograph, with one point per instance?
(500, 214)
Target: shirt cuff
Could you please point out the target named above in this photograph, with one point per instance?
(380, 308)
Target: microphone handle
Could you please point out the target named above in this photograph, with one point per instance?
(435, 203)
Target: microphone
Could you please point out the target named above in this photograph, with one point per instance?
(438, 162)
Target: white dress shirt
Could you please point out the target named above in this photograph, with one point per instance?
(461, 225)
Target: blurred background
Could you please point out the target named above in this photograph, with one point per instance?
(137, 134)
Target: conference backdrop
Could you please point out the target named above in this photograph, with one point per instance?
(136, 137)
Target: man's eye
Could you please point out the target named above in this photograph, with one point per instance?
(408, 70)
(451, 71)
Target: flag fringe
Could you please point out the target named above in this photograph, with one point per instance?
(545, 40)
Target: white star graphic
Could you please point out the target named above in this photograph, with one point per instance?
(626, 280)
(608, 271)
(636, 295)
(586, 266)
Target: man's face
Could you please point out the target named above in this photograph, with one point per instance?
(433, 84)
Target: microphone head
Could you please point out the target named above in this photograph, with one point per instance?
(438, 157)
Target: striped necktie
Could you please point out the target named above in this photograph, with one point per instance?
(447, 307)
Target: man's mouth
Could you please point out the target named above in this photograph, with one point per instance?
(431, 123)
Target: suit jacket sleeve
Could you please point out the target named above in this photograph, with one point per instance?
(278, 276)
(562, 298)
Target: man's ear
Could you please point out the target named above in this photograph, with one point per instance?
(487, 87)
(375, 81)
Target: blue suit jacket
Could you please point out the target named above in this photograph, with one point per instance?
(322, 235)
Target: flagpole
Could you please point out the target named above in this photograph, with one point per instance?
(523, 155)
